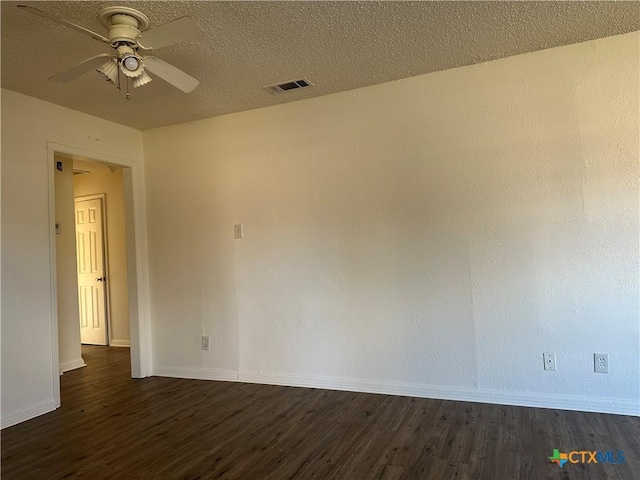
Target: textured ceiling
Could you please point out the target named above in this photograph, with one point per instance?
(338, 46)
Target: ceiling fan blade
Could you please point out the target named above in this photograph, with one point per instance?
(183, 29)
(40, 13)
(170, 74)
(74, 72)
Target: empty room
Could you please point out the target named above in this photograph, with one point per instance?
(329, 240)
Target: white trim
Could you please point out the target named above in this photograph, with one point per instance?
(53, 279)
(619, 406)
(72, 365)
(27, 413)
(522, 399)
(220, 374)
(139, 323)
(120, 343)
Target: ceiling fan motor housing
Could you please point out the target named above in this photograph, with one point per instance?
(124, 24)
(123, 33)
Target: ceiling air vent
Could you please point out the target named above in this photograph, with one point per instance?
(288, 86)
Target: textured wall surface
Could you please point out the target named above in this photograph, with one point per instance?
(110, 183)
(438, 233)
(27, 125)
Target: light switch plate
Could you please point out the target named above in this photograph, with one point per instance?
(237, 231)
(549, 361)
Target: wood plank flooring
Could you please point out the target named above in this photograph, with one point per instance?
(113, 427)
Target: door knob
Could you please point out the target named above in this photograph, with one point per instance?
(101, 279)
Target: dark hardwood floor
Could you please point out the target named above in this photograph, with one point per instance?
(113, 427)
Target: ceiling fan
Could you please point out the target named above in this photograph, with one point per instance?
(129, 36)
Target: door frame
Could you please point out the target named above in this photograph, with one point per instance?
(137, 259)
(105, 255)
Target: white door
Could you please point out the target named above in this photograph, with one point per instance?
(91, 271)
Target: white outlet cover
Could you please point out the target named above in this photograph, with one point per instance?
(601, 362)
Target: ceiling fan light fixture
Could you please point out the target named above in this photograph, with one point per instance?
(141, 79)
(131, 66)
(109, 70)
(131, 63)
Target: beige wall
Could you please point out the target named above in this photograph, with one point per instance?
(110, 183)
(431, 236)
(67, 274)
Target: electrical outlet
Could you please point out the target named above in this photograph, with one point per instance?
(549, 361)
(601, 362)
(205, 342)
(237, 231)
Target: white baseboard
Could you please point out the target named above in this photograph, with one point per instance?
(619, 406)
(120, 343)
(195, 373)
(27, 413)
(221, 374)
(71, 365)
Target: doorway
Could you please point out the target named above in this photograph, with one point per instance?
(133, 253)
(102, 275)
(91, 241)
